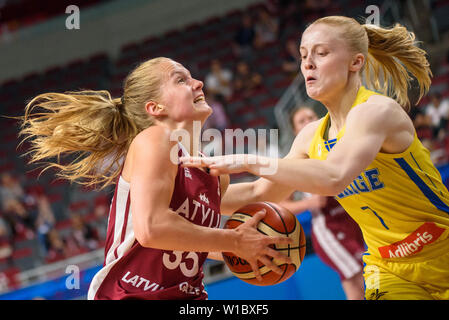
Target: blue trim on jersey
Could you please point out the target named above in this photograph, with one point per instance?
(422, 170)
(378, 217)
(430, 195)
(363, 270)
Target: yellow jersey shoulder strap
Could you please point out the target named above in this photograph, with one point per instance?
(362, 96)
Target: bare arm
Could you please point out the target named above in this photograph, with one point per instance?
(387, 127)
(240, 194)
(379, 124)
(152, 176)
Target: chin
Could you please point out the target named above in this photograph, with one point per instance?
(205, 112)
(313, 93)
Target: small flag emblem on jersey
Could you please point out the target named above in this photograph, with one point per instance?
(187, 173)
(204, 198)
(330, 144)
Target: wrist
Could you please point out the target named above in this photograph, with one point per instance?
(234, 236)
(261, 165)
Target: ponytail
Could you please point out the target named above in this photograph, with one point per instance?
(392, 57)
(88, 126)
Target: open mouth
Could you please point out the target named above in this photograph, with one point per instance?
(310, 79)
(199, 99)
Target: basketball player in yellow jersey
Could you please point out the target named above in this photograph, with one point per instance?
(365, 152)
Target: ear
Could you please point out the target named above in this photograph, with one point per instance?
(155, 109)
(357, 62)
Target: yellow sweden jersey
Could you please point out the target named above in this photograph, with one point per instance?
(399, 200)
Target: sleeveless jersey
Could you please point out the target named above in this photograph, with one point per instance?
(131, 271)
(399, 200)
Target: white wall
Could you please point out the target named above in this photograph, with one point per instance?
(104, 27)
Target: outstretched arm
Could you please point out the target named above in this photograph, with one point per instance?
(240, 194)
(370, 127)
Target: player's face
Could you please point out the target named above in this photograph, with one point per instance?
(183, 95)
(325, 61)
(303, 117)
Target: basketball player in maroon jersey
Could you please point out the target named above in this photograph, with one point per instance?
(163, 218)
(336, 238)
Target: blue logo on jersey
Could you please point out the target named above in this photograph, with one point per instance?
(366, 182)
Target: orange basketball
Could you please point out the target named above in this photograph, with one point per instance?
(278, 221)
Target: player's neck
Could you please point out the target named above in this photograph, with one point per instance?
(340, 105)
(189, 135)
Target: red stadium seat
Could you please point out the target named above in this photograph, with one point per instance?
(22, 253)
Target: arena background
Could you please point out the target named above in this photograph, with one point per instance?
(42, 255)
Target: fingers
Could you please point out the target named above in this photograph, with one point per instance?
(215, 172)
(256, 218)
(278, 255)
(270, 264)
(256, 270)
(196, 162)
(269, 261)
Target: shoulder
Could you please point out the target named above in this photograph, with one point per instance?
(153, 136)
(153, 147)
(378, 110)
(300, 146)
(310, 129)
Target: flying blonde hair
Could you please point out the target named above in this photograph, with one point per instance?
(392, 57)
(90, 128)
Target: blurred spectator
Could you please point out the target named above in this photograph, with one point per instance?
(266, 29)
(45, 220)
(55, 245)
(101, 212)
(438, 111)
(218, 119)
(10, 191)
(17, 207)
(437, 150)
(245, 80)
(292, 58)
(5, 240)
(20, 220)
(83, 236)
(218, 80)
(422, 123)
(244, 38)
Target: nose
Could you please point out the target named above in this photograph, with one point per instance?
(197, 84)
(308, 63)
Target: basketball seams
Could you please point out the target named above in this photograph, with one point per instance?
(265, 224)
(270, 227)
(286, 234)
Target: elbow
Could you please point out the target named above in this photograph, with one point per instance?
(259, 193)
(146, 236)
(145, 240)
(336, 184)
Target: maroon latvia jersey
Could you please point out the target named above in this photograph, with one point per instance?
(131, 271)
(337, 239)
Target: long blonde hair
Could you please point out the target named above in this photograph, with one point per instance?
(391, 55)
(90, 128)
